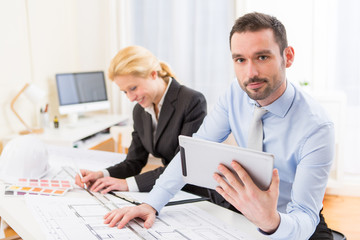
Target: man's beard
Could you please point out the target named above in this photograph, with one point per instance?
(258, 94)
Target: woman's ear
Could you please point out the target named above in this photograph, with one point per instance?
(153, 75)
(289, 56)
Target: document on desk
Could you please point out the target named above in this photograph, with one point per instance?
(82, 218)
(83, 158)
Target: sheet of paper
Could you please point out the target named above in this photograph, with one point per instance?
(82, 158)
(65, 161)
(82, 218)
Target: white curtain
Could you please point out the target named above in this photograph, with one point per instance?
(347, 78)
(191, 36)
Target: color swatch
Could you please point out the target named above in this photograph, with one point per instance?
(38, 187)
(48, 183)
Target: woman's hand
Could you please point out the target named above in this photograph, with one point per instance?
(108, 184)
(89, 177)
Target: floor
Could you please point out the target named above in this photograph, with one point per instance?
(9, 232)
(341, 214)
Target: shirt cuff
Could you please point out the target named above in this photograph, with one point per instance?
(132, 185)
(105, 173)
(283, 231)
(158, 198)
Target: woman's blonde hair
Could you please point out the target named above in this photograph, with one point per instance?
(140, 62)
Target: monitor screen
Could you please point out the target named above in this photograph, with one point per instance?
(81, 92)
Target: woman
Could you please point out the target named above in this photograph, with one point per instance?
(164, 110)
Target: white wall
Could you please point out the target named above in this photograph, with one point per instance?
(14, 59)
(40, 38)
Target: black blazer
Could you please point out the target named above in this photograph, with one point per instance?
(182, 113)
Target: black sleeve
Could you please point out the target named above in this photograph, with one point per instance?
(135, 160)
(146, 181)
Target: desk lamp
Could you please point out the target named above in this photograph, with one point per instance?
(35, 95)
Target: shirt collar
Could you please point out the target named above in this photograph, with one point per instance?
(280, 106)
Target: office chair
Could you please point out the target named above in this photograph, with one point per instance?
(337, 235)
(122, 137)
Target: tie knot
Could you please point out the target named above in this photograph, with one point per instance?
(258, 113)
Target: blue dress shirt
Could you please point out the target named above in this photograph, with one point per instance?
(300, 135)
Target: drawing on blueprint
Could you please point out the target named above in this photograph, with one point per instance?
(82, 218)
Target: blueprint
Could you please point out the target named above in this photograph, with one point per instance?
(82, 218)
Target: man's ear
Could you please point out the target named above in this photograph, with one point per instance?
(289, 55)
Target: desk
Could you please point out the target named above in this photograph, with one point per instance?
(70, 134)
(14, 211)
(75, 134)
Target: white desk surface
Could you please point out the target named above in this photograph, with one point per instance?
(14, 211)
(69, 133)
(85, 127)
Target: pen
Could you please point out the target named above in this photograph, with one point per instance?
(81, 177)
(124, 197)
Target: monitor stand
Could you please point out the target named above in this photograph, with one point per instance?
(72, 118)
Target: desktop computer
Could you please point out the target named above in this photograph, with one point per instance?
(81, 92)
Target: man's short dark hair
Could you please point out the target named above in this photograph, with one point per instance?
(253, 22)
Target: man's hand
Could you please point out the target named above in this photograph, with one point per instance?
(260, 207)
(89, 177)
(108, 184)
(125, 214)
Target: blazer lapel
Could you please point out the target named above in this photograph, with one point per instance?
(168, 109)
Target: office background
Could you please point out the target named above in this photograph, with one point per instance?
(40, 38)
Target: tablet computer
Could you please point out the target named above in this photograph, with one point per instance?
(200, 159)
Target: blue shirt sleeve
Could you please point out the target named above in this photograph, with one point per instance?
(167, 185)
(308, 189)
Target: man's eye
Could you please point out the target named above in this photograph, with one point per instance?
(262, 58)
(240, 60)
(132, 89)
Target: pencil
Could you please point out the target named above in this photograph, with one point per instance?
(81, 177)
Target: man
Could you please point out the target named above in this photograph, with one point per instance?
(295, 128)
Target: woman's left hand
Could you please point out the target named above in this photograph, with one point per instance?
(108, 184)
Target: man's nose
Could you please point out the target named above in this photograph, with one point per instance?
(252, 70)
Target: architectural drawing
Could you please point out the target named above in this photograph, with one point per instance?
(65, 218)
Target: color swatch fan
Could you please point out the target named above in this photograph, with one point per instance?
(38, 187)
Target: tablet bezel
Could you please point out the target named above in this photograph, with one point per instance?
(200, 158)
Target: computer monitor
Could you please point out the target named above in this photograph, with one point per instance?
(81, 92)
